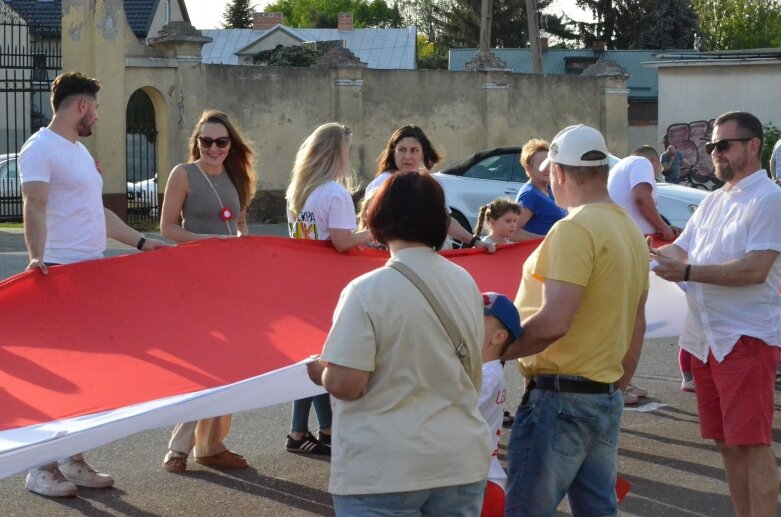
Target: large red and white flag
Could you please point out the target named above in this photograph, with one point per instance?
(100, 350)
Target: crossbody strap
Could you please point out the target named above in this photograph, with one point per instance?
(458, 342)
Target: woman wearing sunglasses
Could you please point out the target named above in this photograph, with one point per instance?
(210, 194)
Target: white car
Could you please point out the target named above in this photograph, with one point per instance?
(142, 196)
(10, 189)
(487, 175)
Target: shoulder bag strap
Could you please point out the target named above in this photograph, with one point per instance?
(458, 343)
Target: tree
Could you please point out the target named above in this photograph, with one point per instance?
(739, 24)
(639, 24)
(509, 26)
(238, 15)
(325, 13)
(672, 24)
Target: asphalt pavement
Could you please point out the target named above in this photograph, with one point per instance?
(674, 472)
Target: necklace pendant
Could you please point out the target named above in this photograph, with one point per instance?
(226, 214)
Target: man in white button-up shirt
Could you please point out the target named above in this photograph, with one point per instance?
(729, 256)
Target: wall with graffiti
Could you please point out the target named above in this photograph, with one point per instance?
(690, 138)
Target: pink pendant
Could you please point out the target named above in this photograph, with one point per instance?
(226, 214)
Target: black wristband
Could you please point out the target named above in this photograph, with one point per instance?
(141, 242)
(686, 272)
(474, 240)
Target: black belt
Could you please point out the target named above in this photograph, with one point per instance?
(567, 384)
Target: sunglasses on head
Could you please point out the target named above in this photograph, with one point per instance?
(723, 144)
(221, 142)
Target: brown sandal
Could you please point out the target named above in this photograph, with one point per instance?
(175, 462)
(226, 458)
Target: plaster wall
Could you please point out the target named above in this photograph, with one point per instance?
(703, 91)
(161, 17)
(277, 107)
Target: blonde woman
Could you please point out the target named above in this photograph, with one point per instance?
(320, 206)
(210, 194)
(539, 211)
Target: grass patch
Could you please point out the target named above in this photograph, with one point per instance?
(145, 227)
(12, 225)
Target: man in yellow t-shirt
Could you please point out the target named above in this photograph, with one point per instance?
(582, 302)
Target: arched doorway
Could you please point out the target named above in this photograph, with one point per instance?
(141, 148)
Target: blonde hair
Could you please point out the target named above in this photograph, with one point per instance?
(494, 210)
(239, 162)
(320, 159)
(530, 148)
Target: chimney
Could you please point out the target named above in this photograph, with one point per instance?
(598, 45)
(265, 21)
(345, 22)
(543, 42)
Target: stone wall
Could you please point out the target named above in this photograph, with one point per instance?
(462, 112)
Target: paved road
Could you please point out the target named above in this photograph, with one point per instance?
(673, 472)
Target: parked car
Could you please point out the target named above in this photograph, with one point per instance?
(10, 189)
(486, 175)
(142, 196)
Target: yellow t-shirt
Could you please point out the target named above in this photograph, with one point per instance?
(598, 247)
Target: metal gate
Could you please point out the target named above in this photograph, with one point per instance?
(30, 59)
(142, 191)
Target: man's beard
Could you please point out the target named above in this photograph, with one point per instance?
(84, 129)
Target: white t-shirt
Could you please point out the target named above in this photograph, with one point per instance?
(329, 206)
(728, 224)
(623, 177)
(488, 240)
(492, 398)
(75, 219)
(376, 183)
(417, 426)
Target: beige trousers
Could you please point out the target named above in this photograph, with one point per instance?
(206, 436)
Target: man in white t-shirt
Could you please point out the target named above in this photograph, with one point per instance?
(729, 256)
(632, 186)
(65, 222)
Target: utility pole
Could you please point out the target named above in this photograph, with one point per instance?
(534, 36)
(484, 60)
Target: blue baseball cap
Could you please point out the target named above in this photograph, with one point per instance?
(501, 308)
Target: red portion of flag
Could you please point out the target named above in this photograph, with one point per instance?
(110, 333)
(622, 488)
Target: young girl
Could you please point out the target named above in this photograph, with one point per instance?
(320, 207)
(502, 217)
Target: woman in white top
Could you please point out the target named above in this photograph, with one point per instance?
(320, 207)
(409, 149)
(408, 436)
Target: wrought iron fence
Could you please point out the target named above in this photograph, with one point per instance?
(30, 59)
(141, 147)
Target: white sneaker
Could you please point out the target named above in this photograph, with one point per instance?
(81, 473)
(630, 399)
(636, 390)
(50, 483)
(688, 386)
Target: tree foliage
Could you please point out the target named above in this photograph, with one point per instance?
(456, 24)
(639, 24)
(238, 15)
(325, 13)
(739, 24)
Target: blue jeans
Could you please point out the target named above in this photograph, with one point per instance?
(301, 408)
(564, 443)
(453, 501)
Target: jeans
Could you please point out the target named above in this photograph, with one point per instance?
(301, 408)
(452, 501)
(564, 443)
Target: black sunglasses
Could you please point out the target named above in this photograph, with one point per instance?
(221, 142)
(723, 144)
